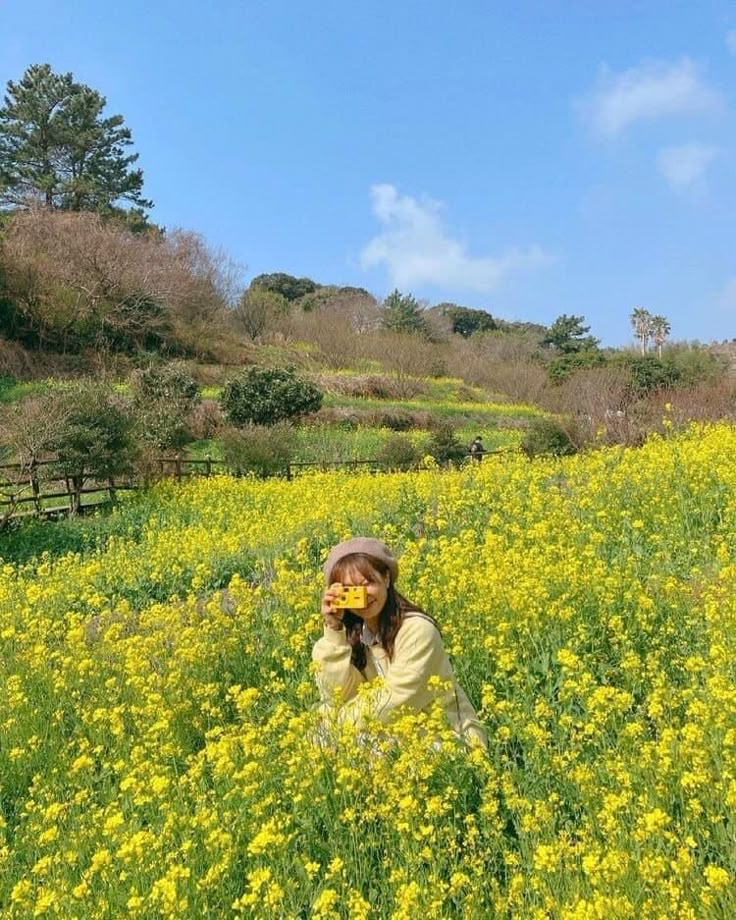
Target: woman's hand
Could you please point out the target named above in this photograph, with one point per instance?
(333, 617)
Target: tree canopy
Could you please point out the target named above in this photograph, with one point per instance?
(569, 335)
(287, 286)
(403, 313)
(466, 320)
(57, 149)
(650, 327)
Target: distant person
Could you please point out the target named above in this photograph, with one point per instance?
(477, 450)
(389, 637)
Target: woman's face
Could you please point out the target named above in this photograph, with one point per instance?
(376, 587)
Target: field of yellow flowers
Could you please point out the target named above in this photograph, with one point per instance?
(160, 754)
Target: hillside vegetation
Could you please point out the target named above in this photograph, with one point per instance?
(82, 295)
(91, 287)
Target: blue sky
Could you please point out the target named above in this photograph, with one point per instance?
(528, 158)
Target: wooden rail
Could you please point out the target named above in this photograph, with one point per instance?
(30, 487)
(295, 466)
(27, 486)
(177, 466)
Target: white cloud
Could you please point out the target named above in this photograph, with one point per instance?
(731, 41)
(651, 90)
(415, 248)
(685, 166)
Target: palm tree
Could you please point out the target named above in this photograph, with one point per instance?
(660, 329)
(641, 320)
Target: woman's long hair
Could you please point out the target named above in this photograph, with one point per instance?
(391, 617)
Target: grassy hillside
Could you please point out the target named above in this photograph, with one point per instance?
(354, 427)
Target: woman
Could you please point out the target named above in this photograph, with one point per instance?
(389, 637)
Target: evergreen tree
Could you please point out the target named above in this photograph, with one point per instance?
(402, 313)
(284, 285)
(466, 321)
(267, 395)
(56, 148)
(568, 334)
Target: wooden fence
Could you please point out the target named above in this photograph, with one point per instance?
(41, 489)
(182, 467)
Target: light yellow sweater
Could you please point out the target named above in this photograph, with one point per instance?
(418, 655)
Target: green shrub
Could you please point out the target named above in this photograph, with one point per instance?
(165, 398)
(7, 384)
(398, 452)
(96, 431)
(445, 446)
(563, 366)
(466, 321)
(168, 381)
(696, 364)
(286, 286)
(546, 437)
(12, 390)
(266, 395)
(648, 373)
(164, 424)
(258, 450)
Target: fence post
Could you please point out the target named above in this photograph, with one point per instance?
(177, 467)
(208, 466)
(75, 497)
(35, 488)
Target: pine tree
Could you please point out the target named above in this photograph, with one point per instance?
(568, 334)
(402, 313)
(57, 149)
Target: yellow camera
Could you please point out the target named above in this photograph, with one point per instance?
(353, 596)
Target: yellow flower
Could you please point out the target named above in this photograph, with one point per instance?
(717, 877)
(325, 904)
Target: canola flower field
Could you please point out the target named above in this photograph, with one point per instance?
(161, 756)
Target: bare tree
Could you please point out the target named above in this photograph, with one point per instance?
(597, 399)
(340, 321)
(28, 432)
(503, 363)
(14, 360)
(354, 304)
(80, 280)
(208, 285)
(29, 429)
(406, 356)
(257, 311)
